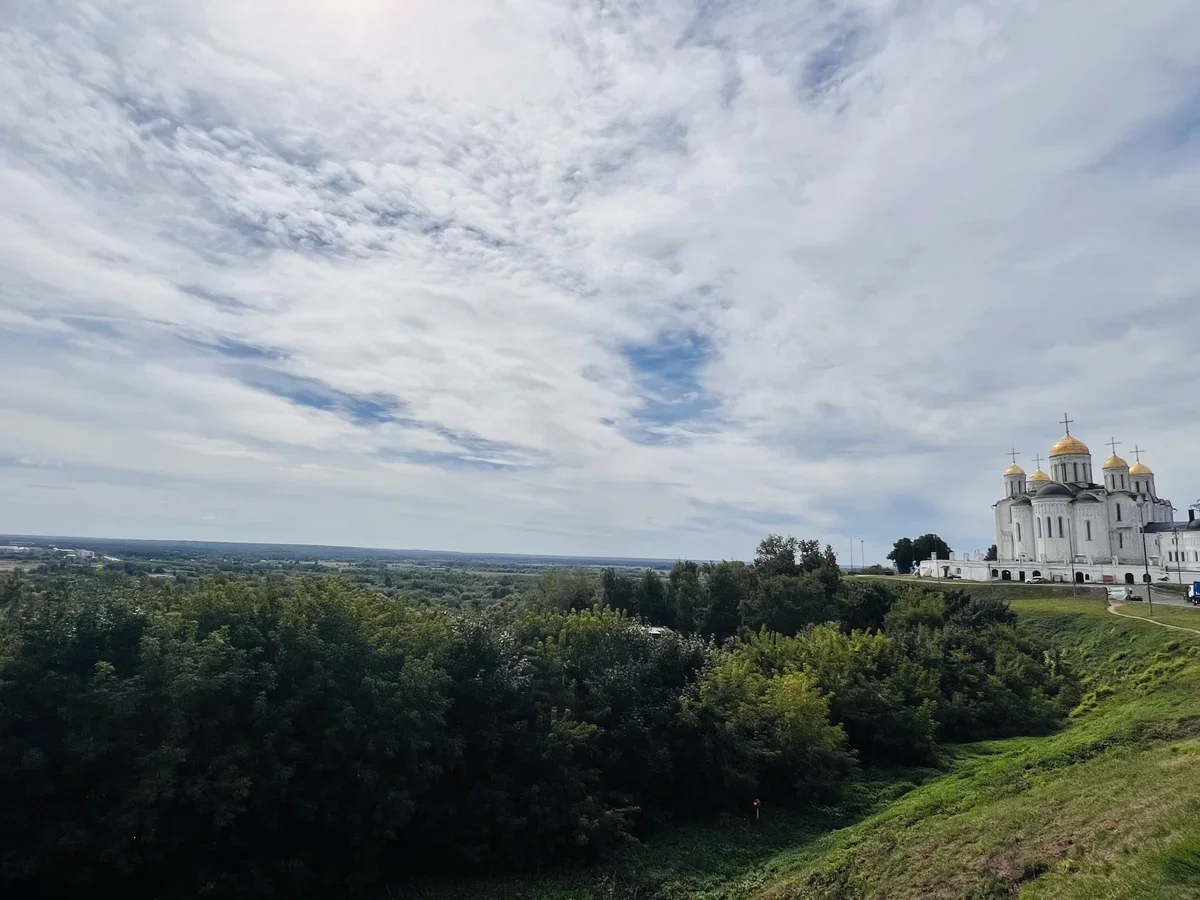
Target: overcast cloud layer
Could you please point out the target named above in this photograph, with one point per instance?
(587, 277)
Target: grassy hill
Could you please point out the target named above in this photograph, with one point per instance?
(1107, 808)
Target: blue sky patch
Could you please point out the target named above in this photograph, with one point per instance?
(667, 374)
(362, 409)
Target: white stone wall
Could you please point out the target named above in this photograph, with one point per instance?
(1023, 531)
(1091, 530)
(1116, 479)
(1053, 542)
(1073, 469)
(1092, 575)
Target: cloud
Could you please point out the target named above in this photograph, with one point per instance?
(607, 278)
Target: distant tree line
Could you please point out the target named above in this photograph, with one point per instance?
(279, 738)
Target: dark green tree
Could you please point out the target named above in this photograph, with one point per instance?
(617, 589)
(993, 553)
(903, 555)
(776, 555)
(686, 595)
(726, 584)
(651, 601)
(927, 545)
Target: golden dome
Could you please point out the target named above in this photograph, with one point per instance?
(1069, 446)
(1115, 462)
(1140, 469)
(1040, 477)
(1014, 469)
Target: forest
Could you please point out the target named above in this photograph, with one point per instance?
(277, 736)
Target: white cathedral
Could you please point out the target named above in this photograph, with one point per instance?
(1069, 524)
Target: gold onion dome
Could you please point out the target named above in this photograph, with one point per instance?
(1014, 469)
(1140, 468)
(1069, 446)
(1115, 462)
(1040, 477)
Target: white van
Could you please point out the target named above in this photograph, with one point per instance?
(1121, 594)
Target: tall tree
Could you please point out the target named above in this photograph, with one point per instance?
(927, 545)
(617, 589)
(902, 555)
(726, 584)
(650, 600)
(776, 555)
(686, 595)
(992, 554)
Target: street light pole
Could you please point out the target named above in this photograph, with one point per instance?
(1071, 550)
(1146, 560)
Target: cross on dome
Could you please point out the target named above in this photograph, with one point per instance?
(1013, 453)
(1114, 443)
(1067, 423)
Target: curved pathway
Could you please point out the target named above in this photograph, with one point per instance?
(1112, 608)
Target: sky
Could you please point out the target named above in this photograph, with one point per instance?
(649, 278)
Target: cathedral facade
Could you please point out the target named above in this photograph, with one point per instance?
(1076, 522)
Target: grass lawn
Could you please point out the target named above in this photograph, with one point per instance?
(1108, 808)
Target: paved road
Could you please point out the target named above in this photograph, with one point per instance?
(1166, 598)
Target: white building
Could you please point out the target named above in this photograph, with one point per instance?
(1070, 524)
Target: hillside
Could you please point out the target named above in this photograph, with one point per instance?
(1105, 808)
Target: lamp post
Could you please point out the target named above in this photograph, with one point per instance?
(1071, 550)
(1146, 560)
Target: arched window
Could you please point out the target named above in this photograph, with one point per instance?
(1039, 526)
(1120, 540)
(1018, 532)
(1076, 465)
(1122, 482)
(1061, 533)
(1118, 512)
(1049, 527)
(1088, 525)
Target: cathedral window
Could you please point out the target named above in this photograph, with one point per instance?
(1060, 526)
(1120, 540)
(1076, 465)
(1122, 482)
(1118, 512)
(1039, 525)
(1088, 525)
(1018, 532)
(1049, 528)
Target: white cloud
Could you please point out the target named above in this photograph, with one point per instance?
(373, 271)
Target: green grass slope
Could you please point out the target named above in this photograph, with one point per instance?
(1106, 809)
